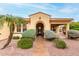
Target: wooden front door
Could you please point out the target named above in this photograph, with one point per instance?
(39, 29)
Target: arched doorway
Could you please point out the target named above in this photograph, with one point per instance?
(39, 29)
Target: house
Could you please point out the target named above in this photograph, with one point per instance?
(40, 22)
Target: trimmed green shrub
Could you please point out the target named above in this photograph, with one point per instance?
(60, 43)
(73, 34)
(29, 33)
(74, 26)
(50, 35)
(76, 29)
(25, 43)
(16, 37)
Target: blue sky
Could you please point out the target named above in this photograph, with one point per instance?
(56, 10)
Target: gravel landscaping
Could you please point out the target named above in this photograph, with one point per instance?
(42, 47)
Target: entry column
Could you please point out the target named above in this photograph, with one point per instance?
(67, 29)
(58, 29)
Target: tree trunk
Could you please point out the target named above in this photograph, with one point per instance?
(12, 27)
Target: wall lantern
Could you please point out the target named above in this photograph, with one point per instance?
(39, 17)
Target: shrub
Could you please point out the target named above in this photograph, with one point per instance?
(74, 26)
(73, 34)
(60, 43)
(25, 43)
(50, 35)
(16, 37)
(29, 33)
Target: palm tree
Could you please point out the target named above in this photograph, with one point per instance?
(11, 22)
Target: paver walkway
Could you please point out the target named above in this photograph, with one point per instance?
(39, 47)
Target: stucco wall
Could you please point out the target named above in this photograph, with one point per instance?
(4, 32)
(34, 19)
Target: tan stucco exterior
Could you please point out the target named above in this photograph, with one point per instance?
(4, 32)
(36, 18)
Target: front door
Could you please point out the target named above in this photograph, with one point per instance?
(39, 29)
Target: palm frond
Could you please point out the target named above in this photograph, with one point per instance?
(11, 20)
(2, 21)
(19, 20)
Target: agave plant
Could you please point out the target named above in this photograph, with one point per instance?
(50, 35)
(73, 34)
(11, 22)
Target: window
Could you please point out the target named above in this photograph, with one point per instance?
(19, 28)
(53, 27)
(24, 27)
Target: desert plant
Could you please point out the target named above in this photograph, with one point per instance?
(11, 21)
(50, 35)
(73, 34)
(29, 33)
(25, 43)
(59, 43)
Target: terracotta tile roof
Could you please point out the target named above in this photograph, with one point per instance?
(54, 19)
(27, 19)
(39, 12)
(61, 19)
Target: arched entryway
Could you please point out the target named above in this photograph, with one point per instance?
(39, 29)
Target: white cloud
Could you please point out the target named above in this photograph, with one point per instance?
(44, 6)
(38, 6)
(20, 4)
(77, 16)
(68, 10)
(33, 5)
(2, 11)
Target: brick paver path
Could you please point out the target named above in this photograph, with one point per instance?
(39, 47)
